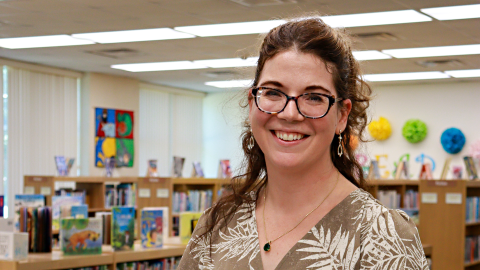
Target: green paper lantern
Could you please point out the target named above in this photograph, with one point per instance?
(414, 130)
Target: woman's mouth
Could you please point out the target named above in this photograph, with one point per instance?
(289, 136)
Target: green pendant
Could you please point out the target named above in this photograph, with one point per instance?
(266, 247)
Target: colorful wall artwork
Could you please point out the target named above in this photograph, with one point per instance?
(114, 137)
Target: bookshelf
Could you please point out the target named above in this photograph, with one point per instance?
(55, 260)
(444, 223)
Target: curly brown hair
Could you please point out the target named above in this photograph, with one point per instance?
(333, 46)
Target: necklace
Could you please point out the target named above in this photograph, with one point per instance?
(268, 246)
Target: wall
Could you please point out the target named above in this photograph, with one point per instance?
(107, 91)
(440, 105)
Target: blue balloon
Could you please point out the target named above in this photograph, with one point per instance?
(452, 140)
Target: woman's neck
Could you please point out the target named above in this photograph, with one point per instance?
(289, 191)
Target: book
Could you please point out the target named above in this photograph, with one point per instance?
(61, 164)
(446, 168)
(7, 225)
(13, 246)
(79, 211)
(165, 220)
(224, 169)
(109, 166)
(152, 168)
(123, 228)
(26, 200)
(2, 204)
(81, 236)
(197, 170)
(426, 172)
(106, 218)
(178, 166)
(152, 228)
(188, 221)
(399, 170)
(470, 168)
(457, 172)
(64, 202)
(37, 222)
(374, 170)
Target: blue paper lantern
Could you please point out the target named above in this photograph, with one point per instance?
(452, 140)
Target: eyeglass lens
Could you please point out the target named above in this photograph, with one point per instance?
(309, 104)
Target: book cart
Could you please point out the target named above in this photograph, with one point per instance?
(151, 192)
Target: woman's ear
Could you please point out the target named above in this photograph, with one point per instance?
(343, 113)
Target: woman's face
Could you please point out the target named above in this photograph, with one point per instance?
(295, 73)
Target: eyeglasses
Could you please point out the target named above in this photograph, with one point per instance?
(310, 105)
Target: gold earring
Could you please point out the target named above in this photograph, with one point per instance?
(340, 146)
(251, 141)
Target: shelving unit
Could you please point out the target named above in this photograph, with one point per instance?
(444, 223)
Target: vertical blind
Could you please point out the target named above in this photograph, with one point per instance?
(42, 117)
(170, 125)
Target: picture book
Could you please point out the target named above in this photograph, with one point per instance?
(224, 169)
(152, 168)
(165, 220)
(61, 164)
(445, 169)
(123, 228)
(109, 166)
(64, 202)
(178, 166)
(470, 168)
(426, 172)
(7, 225)
(374, 170)
(152, 228)
(81, 236)
(457, 172)
(13, 246)
(26, 200)
(188, 221)
(37, 222)
(197, 170)
(79, 211)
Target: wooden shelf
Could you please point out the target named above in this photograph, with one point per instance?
(141, 254)
(392, 182)
(198, 181)
(475, 223)
(427, 249)
(56, 260)
(472, 263)
(473, 183)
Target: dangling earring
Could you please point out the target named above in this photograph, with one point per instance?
(251, 141)
(340, 146)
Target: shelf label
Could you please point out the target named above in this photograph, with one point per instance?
(37, 179)
(429, 197)
(162, 192)
(144, 193)
(153, 180)
(29, 190)
(453, 198)
(47, 191)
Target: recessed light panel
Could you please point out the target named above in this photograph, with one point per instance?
(42, 41)
(469, 73)
(407, 76)
(434, 51)
(376, 18)
(134, 35)
(158, 66)
(229, 29)
(229, 62)
(453, 12)
(370, 55)
(230, 84)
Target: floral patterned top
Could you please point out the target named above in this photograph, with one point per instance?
(358, 233)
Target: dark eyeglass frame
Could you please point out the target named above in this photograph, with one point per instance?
(331, 101)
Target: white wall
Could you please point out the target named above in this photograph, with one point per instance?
(222, 127)
(106, 91)
(440, 105)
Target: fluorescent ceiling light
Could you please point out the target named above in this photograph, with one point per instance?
(158, 66)
(434, 51)
(41, 41)
(405, 76)
(229, 62)
(229, 29)
(453, 12)
(134, 35)
(370, 55)
(469, 73)
(376, 18)
(230, 84)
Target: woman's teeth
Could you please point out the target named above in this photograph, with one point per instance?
(288, 136)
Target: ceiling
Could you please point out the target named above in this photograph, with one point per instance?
(19, 18)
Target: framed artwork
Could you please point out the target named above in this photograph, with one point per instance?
(114, 137)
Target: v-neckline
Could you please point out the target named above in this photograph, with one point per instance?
(258, 259)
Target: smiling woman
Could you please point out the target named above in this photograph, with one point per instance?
(300, 202)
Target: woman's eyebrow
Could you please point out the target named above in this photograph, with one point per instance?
(317, 87)
(275, 83)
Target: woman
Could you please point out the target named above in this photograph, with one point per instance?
(300, 203)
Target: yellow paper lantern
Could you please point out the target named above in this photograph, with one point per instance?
(381, 129)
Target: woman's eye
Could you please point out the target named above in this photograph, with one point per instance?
(315, 98)
(271, 93)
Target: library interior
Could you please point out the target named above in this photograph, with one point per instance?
(122, 122)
